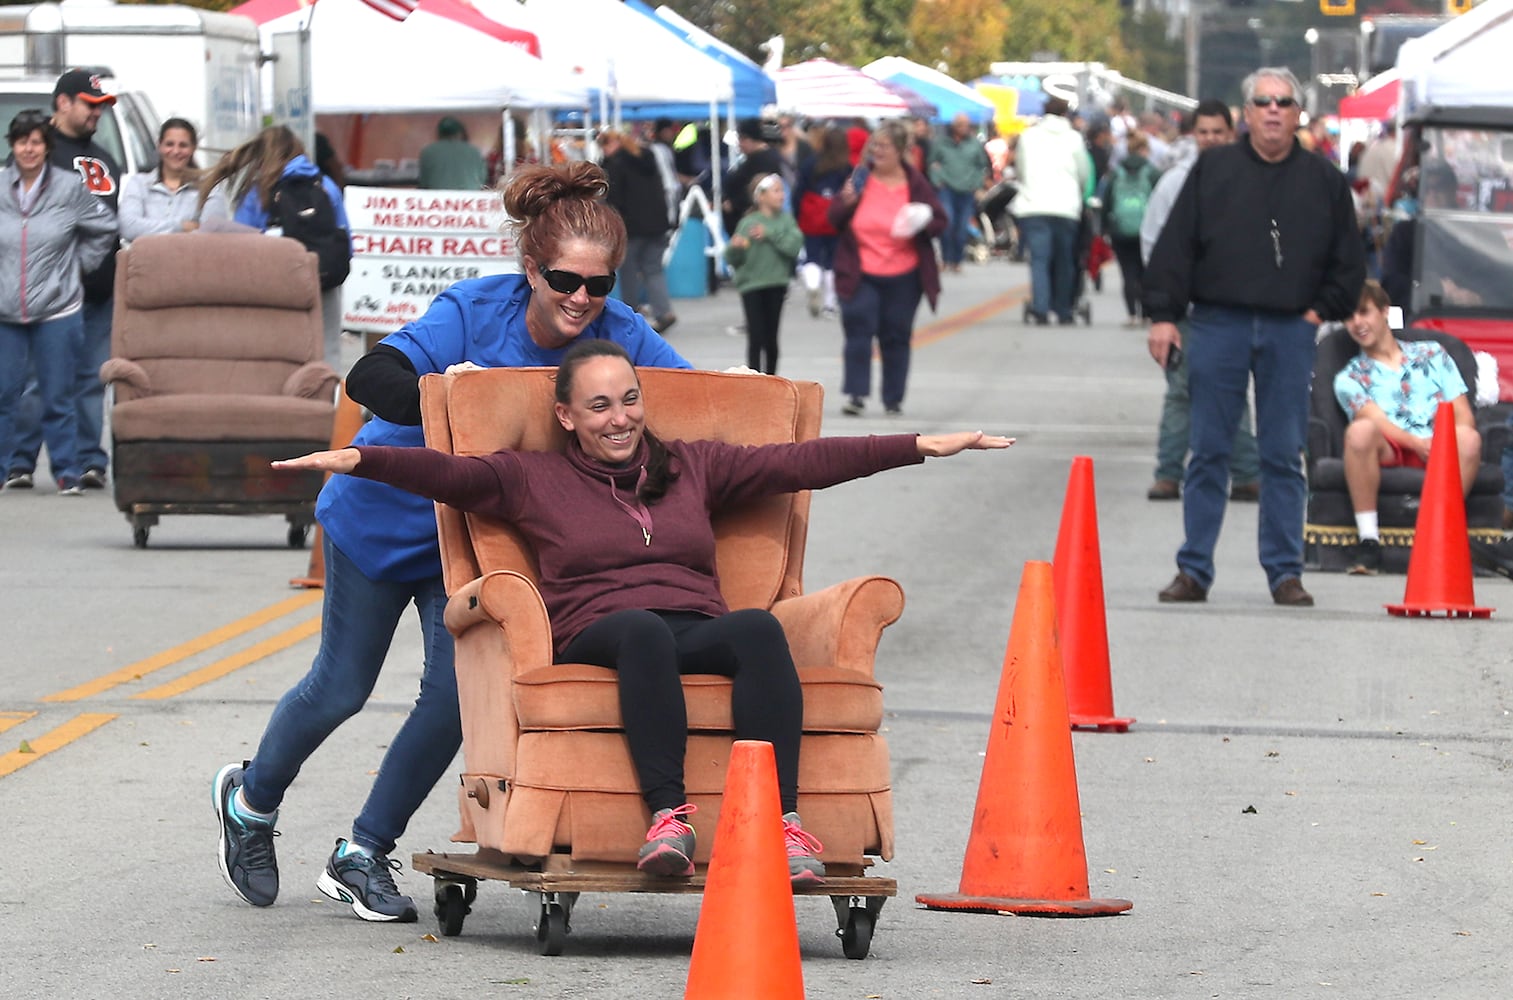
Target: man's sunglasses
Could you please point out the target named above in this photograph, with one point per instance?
(1281, 102)
(568, 282)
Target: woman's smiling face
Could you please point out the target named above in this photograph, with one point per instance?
(605, 411)
(560, 318)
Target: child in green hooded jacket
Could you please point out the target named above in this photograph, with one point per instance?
(762, 254)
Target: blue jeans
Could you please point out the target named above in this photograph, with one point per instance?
(24, 439)
(1052, 243)
(882, 309)
(1230, 345)
(1176, 429)
(643, 274)
(961, 209)
(51, 350)
(357, 625)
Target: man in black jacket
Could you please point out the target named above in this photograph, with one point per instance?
(1261, 247)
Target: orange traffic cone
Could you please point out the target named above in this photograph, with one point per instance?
(1025, 852)
(1439, 569)
(1078, 575)
(344, 427)
(747, 943)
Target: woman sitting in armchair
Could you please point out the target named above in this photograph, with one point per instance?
(621, 525)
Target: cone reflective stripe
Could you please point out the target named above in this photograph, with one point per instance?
(1439, 568)
(1025, 853)
(1080, 619)
(747, 942)
(344, 427)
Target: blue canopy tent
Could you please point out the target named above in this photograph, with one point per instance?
(949, 96)
(754, 90)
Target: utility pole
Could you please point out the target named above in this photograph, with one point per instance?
(1193, 31)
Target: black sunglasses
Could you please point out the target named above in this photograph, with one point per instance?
(568, 282)
(1281, 102)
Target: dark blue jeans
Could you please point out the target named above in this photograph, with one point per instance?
(1176, 430)
(50, 349)
(25, 438)
(357, 625)
(961, 209)
(883, 310)
(1229, 346)
(1052, 244)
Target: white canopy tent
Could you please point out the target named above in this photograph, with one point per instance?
(362, 61)
(621, 54)
(1458, 70)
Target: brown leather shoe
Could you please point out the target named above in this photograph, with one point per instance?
(1183, 590)
(1246, 492)
(1290, 593)
(1164, 489)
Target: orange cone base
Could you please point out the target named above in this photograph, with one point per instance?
(1430, 610)
(1102, 723)
(1025, 907)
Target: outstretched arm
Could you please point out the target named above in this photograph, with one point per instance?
(343, 460)
(944, 445)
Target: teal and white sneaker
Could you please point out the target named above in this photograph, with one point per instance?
(247, 860)
(366, 883)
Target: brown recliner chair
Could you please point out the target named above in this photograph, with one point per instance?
(547, 777)
(217, 364)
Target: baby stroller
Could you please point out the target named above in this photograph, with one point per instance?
(999, 235)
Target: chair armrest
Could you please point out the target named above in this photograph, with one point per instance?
(129, 372)
(841, 625)
(511, 603)
(312, 380)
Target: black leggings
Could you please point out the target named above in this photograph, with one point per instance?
(764, 311)
(1131, 271)
(650, 649)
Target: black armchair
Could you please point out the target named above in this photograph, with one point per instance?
(1329, 531)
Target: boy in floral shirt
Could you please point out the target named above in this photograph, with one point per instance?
(1391, 392)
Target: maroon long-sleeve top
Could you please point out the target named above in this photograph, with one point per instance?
(598, 548)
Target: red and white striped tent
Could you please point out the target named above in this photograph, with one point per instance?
(444, 56)
(820, 88)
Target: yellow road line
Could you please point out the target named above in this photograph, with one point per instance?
(140, 669)
(220, 668)
(9, 719)
(45, 744)
(956, 322)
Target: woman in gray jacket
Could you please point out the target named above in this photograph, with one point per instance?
(51, 231)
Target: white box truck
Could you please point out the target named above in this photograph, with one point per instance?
(190, 63)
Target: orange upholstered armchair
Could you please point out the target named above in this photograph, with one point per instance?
(217, 367)
(546, 769)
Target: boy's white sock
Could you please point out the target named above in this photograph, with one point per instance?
(1365, 525)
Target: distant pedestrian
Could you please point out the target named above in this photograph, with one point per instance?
(78, 103)
(1054, 171)
(451, 163)
(637, 191)
(1126, 193)
(167, 200)
(51, 231)
(1209, 125)
(820, 180)
(762, 252)
(1262, 245)
(886, 214)
(958, 167)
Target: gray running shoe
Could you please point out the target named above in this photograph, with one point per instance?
(19, 480)
(366, 883)
(669, 843)
(804, 864)
(247, 859)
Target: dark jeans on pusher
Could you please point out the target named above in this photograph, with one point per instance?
(651, 649)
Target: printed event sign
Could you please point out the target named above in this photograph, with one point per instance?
(410, 245)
